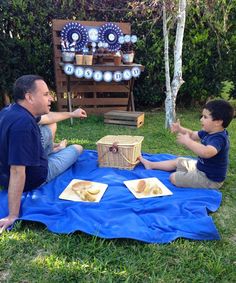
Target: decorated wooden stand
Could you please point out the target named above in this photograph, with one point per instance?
(102, 86)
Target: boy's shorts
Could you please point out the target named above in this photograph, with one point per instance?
(60, 161)
(187, 175)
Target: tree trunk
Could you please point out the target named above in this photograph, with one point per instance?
(173, 87)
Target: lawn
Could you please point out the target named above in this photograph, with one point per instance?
(30, 253)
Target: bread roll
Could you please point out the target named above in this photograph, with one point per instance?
(147, 189)
(81, 185)
(140, 186)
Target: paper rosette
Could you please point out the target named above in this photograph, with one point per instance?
(110, 34)
(75, 33)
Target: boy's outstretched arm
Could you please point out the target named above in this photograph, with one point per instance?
(204, 151)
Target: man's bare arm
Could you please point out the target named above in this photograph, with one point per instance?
(15, 190)
(54, 117)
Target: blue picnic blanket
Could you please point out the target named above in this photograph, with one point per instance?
(185, 214)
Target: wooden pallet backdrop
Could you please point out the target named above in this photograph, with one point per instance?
(94, 97)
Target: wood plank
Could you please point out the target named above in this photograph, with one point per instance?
(100, 101)
(58, 24)
(101, 110)
(95, 101)
(133, 124)
(98, 95)
(123, 115)
(74, 80)
(120, 122)
(96, 88)
(92, 110)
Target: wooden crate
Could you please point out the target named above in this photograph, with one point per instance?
(126, 118)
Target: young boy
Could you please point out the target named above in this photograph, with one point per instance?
(209, 170)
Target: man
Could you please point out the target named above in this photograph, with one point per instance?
(28, 157)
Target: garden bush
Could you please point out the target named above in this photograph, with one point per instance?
(208, 50)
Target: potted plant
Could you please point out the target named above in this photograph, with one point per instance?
(100, 53)
(127, 52)
(117, 58)
(88, 55)
(68, 51)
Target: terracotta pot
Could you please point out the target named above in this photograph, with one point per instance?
(117, 60)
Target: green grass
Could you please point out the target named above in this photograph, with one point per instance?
(30, 253)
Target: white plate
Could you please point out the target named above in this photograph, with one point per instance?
(69, 194)
(132, 184)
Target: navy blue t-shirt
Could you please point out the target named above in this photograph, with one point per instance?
(215, 167)
(20, 142)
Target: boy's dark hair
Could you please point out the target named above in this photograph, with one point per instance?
(220, 110)
(23, 85)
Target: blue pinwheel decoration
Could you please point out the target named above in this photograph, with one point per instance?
(110, 33)
(74, 37)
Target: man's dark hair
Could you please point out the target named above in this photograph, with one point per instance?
(23, 85)
(220, 110)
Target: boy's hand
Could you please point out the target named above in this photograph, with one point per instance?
(183, 138)
(175, 127)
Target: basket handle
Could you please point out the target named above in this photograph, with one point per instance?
(125, 158)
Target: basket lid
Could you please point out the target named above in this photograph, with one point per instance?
(121, 140)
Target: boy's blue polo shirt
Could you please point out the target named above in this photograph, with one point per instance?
(215, 167)
(20, 142)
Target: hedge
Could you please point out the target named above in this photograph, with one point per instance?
(208, 51)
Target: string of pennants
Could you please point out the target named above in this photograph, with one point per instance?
(97, 75)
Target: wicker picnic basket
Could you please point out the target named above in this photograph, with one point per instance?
(119, 151)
